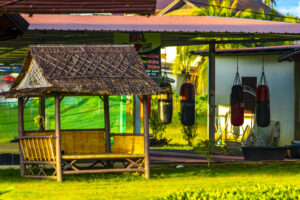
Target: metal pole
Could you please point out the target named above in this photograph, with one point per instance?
(146, 136)
(211, 95)
(42, 113)
(136, 115)
(21, 131)
(58, 138)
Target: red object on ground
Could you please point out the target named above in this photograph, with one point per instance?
(237, 105)
(9, 79)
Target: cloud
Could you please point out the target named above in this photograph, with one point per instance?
(290, 10)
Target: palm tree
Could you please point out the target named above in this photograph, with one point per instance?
(271, 3)
(185, 61)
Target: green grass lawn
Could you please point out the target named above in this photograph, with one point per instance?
(164, 181)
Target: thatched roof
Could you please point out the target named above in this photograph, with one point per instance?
(82, 70)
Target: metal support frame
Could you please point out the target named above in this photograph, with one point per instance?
(146, 136)
(42, 113)
(136, 115)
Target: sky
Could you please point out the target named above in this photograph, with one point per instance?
(289, 6)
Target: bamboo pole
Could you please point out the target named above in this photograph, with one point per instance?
(58, 138)
(211, 96)
(107, 123)
(146, 136)
(21, 131)
(42, 113)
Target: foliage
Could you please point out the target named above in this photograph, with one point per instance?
(205, 144)
(159, 142)
(157, 128)
(271, 3)
(39, 121)
(268, 192)
(184, 61)
(189, 133)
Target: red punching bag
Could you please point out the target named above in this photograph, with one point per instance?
(237, 102)
(263, 103)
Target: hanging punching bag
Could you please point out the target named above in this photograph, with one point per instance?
(165, 104)
(237, 102)
(263, 103)
(187, 104)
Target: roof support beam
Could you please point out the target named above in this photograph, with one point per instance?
(211, 95)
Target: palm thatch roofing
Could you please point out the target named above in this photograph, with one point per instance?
(82, 70)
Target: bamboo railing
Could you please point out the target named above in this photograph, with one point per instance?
(38, 148)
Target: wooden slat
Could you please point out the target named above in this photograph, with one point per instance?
(51, 150)
(30, 149)
(41, 177)
(102, 156)
(104, 171)
(24, 150)
(36, 137)
(34, 148)
(42, 146)
(40, 162)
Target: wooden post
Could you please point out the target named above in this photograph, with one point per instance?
(58, 138)
(107, 123)
(146, 136)
(211, 96)
(42, 113)
(21, 131)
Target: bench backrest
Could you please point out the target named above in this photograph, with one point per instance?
(128, 144)
(38, 149)
(76, 142)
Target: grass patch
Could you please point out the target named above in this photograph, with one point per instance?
(164, 182)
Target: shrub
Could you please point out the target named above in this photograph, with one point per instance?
(157, 128)
(257, 192)
(189, 133)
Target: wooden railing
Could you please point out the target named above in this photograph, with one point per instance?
(38, 148)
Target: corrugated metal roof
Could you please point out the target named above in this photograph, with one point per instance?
(266, 49)
(199, 24)
(77, 6)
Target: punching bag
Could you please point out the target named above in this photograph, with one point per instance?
(263, 103)
(187, 104)
(237, 102)
(165, 104)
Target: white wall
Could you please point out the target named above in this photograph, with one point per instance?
(280, 77)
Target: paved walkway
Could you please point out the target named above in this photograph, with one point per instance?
(173, 156)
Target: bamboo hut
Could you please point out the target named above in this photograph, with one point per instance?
(59, 71)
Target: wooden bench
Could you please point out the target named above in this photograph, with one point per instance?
(83, 151)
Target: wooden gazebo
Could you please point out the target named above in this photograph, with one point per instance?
(59, 71)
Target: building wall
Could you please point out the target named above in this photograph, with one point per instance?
(280, 77)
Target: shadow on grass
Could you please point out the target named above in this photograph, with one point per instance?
(236, 169)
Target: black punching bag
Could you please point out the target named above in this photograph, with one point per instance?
(263, 106)
(237, 102)
(187, 104)
(165, 104)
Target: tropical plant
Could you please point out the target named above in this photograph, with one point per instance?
(189, 133)
(184, 61)
(158, 129)
(271, 3)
